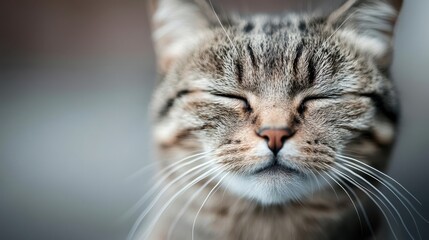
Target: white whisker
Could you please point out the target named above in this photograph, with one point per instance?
(166, 205)
(359, 204)
(220, 23)
(382, 173)
(141, 171)
(200, 167)
(199, 155)
(204, 202)
(154, 164)
(159, 183)
(394, 193)
(185, 207)
(332, 187)
(348, 195)
(389, 186)
(367, 192)
(382, 195)
(315, 179)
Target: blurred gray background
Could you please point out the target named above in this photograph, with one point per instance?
(76, 77)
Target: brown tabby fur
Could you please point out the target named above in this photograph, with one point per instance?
(225, 78)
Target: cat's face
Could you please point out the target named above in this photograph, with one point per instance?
(273, 101)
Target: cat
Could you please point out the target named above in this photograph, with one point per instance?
(271, 126)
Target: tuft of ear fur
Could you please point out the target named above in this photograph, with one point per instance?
(177, 26)
(369, 26)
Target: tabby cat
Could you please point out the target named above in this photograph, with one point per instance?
(271, 126)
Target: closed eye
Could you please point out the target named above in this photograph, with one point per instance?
(303, 105)
(246, 103)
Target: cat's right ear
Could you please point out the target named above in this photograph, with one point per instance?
(177, 26)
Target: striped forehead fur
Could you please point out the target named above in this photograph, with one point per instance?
(293, 52)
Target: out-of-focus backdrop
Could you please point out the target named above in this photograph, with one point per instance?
(76, 78)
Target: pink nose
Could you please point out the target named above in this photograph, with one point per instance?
(275, 137)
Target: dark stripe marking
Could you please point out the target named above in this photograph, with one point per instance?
(252, 55)
(239, 71)
(298, 55)
(248, 27)
(302, 26)
(311, 71)
(381, 105)
(170, 102)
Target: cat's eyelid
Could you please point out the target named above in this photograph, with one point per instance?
(247, 105)
(228, 95)
(332, 96)
(234, 97)
(319, 97)
(303, 105)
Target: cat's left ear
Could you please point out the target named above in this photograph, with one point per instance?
(177, 26)
(368, 25)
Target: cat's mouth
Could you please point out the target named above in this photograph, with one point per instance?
(276, 168)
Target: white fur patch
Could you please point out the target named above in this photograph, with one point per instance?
(177, 28)
(377, 47)
(277, 188)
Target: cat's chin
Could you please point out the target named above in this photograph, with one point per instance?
(270, 186)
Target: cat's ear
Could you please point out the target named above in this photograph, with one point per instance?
(176, 26)
(369, 25)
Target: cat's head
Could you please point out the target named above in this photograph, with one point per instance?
(274, 100)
